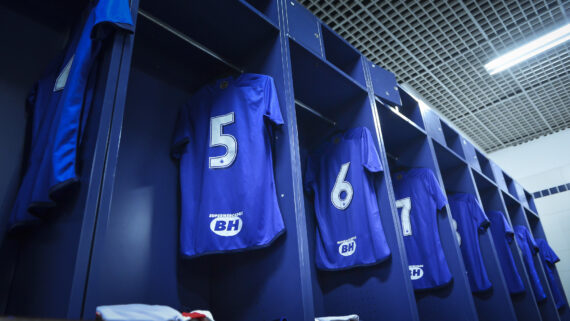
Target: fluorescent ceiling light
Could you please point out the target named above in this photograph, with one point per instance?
(529, 50)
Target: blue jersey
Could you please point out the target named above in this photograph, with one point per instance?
(503, 234)
(549, 258)
(340, 174)
(529, 248)
(418, 198)
(59, 105)
(223, 141)
(471, 220)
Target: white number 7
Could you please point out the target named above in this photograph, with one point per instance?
(406, 205)
(218, 138)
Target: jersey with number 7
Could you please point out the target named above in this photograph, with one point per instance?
(418, 198)
(223, 141)
(340, 174)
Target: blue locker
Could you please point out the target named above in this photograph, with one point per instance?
(457, 178)
(327, 96)
(408, 146)
(518, 217)
(42, 266)
(491, 199)
(140, 204)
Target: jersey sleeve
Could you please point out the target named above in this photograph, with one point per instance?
(479, 215)
(181, 132)
(109, 15)
(272, 111)
(548, 253)
(370, 158)
(435, 190)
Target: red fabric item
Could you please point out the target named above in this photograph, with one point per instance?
(193, 315)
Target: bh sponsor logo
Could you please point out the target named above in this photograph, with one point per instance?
(347, 247)
(226, 224)
(416, 272)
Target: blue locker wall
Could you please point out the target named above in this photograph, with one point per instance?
(524, 303)
(494, 304)
(122, 227)
(411, 148)
(518, 217)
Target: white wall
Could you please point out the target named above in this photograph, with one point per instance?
(541, 164)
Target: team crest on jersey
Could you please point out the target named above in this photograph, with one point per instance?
(416, 272)
(347, 247)
(226, 224)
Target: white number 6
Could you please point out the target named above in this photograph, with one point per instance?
(218, 138)
(342, 186)
(406, 205)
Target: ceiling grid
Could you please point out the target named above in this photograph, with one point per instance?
(439, 48)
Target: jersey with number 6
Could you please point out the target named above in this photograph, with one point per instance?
(340, 174)
(223, 141)
(419, 197)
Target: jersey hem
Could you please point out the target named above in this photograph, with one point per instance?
(238, 250)
(60, 188)
(384, 259)
(437, 287)
(482, 290)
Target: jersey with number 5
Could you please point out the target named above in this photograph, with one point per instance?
(340, 175)
(223, 141)
(418, 198)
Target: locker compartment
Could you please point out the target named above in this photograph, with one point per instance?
(548, 307)
(407, 146)
(538, 232)
(341, 54)
(530, 201)
(453, 140)
(485, 165)
(457, 178)
(520, 194)
(328, 101)
(179, 48)
(41, 264)
(267, 9)
(519, 217)
(410, 108)
(523, 302)
(511, 188)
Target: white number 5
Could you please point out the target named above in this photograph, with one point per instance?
(218, 138)
(406, 205)
(342, 186)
